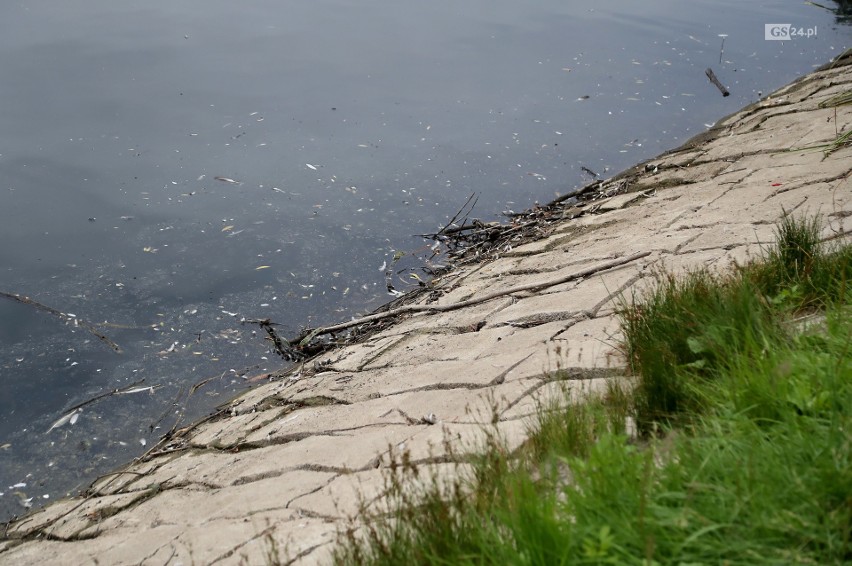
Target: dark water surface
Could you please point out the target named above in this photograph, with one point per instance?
(346, 127)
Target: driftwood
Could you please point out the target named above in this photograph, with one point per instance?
(470, 302)
(63, 316)
(712, 76)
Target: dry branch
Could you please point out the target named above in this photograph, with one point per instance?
(24, 300)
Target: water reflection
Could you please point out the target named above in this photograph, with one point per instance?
(345, 127)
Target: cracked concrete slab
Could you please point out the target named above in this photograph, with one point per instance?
(278, 470)
(557, 394)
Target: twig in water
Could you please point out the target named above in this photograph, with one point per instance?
(71, 410)
(175, 403)
(282, 347)
(63, 316)
(460, 211)
(202, 383)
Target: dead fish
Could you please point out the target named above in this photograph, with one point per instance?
(226, 180)
(170, 349)
(26, 502)
(70, 417)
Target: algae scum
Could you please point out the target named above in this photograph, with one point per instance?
(168, 171)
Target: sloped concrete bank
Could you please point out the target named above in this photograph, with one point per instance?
(286, 463)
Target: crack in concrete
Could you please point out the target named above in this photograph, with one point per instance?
(277, 441)
(733, 158)
(808, 182)
(156, 551)
(685, 243)
(234, 549)
(586, 315)
(621, 288)
(312, 491)
(304, 553)
(389, 348)
(538, 319)
(561, 266)
(727, 247)
(502, 377)
(527, 393)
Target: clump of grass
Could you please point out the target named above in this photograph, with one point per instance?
(759, 473)
(686, 330)
(800, 270)
(682, 333)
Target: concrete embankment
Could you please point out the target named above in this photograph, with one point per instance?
(287, 462)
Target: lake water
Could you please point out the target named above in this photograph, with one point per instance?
(340, 129)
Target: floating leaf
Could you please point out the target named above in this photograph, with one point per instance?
(261, 267)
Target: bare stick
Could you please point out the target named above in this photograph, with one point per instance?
(712, 76)
(109, 393)
(460, 211)
(59, 314)
(474, 301)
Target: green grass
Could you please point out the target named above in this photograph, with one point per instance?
(743, 404)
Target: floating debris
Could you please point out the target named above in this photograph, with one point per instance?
(712, 76)
(65, 419)
(170, 349)
(227, 180)
(149, 388)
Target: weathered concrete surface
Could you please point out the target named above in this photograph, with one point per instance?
(296, 456)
